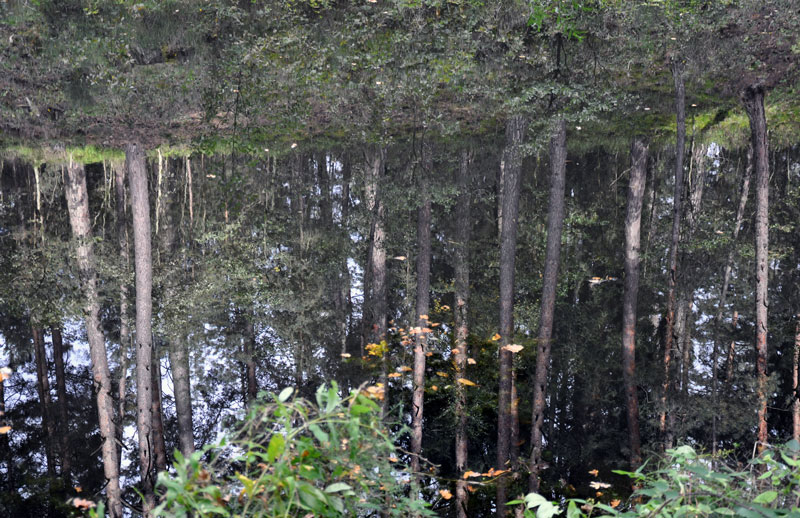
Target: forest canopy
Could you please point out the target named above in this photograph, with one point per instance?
(519, 247)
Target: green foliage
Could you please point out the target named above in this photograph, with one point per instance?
(692, 484)
(292, 457)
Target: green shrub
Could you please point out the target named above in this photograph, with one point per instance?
(295, 458)
(687, 486)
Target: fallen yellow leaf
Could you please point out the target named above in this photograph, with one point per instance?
(467, 382)
(442, 374)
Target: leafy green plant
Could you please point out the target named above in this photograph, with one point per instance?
(292, 457)
(693, 485)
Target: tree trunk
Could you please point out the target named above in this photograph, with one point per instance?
(143, 267)
(461, 321)
(159, 444)
(726, 276)
(43, 389)
(179, 366)
(511, 167)
(377, 307)
(78, 204)
(61, 391)
(753, 99)
(344, 280)
(555, 220)
(633, 219)
(249, 360)
(124, 321)
(680, 116)
(697, 181)
(796, 384)
(423, 306)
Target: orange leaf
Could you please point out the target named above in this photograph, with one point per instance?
(513, 348)
(442, 374)
(393, 375)
(447, 495)
(496, 337)
(615, 502)
(434, 388)
(404, 368)
(455, 351)
(594, 473)
(5, 429)
(468, 474)
(471, 361)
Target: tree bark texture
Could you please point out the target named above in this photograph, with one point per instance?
(669, 335)
(159, 444)
(512, 179)
(633, 218)
(377, 307)
(461, 321)
(78, 205)
(179, 366)
(65, 452)
(753, 100)
(124, 320)
(555, 222)
(143, 267)
(796, 383)
(422, 309)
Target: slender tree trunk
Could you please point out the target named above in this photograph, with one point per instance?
(78, 204)
(423, 306)
(726, 276)
(61, 391)
(633, 219)
(249, 360)
(461, 320)
(753, 99)
(344, 282)
(159, 444)
(697, 181)
(796, 384)
(376, 323)
(124, 320)
(511, 167)
(143, 267)
(680, 115)
(731, 360)
(555, 221)
(43, 388)
(179, 366)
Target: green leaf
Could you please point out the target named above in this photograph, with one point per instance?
(276, 446)
(285, 394)
(318, 433)
(767, 497)
(724, 510)
(533, 500)
(337, 486)
(573, 511)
